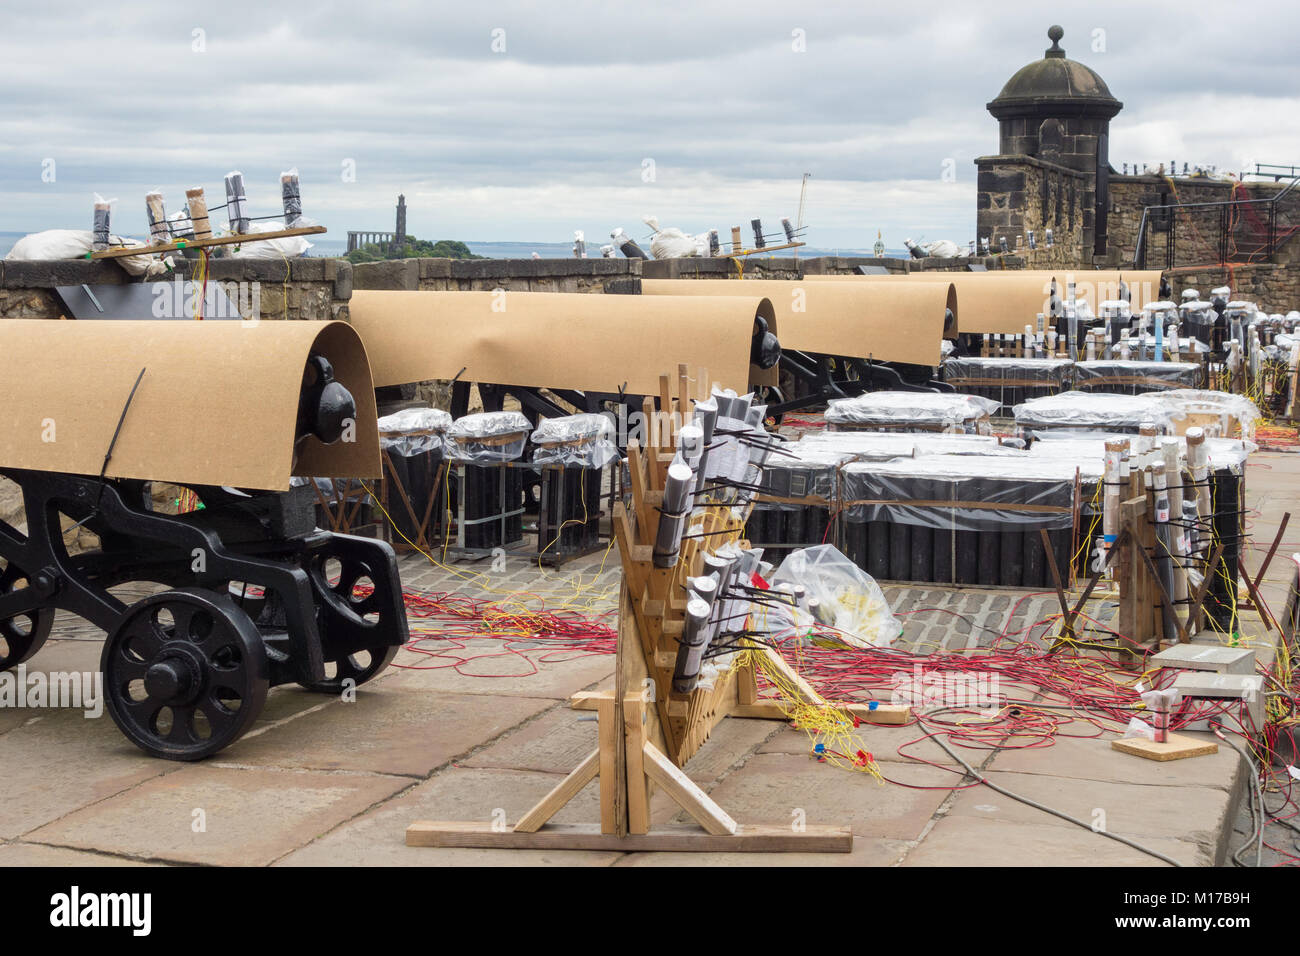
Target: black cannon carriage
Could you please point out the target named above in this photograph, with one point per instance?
(250, 593)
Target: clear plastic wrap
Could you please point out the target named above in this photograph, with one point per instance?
(1029, 372)
(488, 437)
(847, 599)
(960, 493)
(1095, 411)
(1088, 449)
(1193, 401)
(805, 471)
(1106, 373)
(894, 409)
(585, 441)
(413, 431)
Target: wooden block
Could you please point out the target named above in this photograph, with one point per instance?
(1177, 747)
(562, 793)
(230, 240)
(677, 838)
(686, 793)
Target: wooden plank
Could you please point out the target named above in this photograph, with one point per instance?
(805, 689)
(686, 793)
(758, 252)
(125, 251)
(638, 790)
(747, 685)
(560, 794)
(1177, 747)
(889, 714)
(608, 774)
(674, 838)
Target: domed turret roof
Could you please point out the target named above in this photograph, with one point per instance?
(1065, 86)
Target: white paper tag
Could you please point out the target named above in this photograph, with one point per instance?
(1293, 771)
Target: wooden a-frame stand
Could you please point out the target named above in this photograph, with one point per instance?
(646, 730)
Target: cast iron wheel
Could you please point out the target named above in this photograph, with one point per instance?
(348, 599)
(185, 673)
(22, 635)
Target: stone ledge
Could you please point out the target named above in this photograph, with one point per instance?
(1017, 159)
(48, 273)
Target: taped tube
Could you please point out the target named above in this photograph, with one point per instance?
(236, 217)
(1198, 464)
(198, 208)
(159, 233)
(1164, 544)
(1110, 520)
(101, 228)
(690, 651)
(1169, 448)
(674, 513)
(291, 195)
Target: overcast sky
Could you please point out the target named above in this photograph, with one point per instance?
(527, 121)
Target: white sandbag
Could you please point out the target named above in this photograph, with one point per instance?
(288, 247)
(671, 243)
(942, 249)
(75, 244)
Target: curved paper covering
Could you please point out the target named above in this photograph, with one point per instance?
(217, 405)
(559, 340)
(895, 323)
(1006, 301)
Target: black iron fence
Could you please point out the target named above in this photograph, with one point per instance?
(1237, 231)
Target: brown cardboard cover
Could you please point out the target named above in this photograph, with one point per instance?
(582, 341)
(890, 323)
(1006, 301)
(217, 404)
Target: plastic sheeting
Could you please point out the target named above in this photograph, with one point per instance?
(1192, 401)
(1228, 454)
(925, 409)
(1100, 374)
(1098, 412)
(969, 370)
(805, 471)
(488, 437)
(582, 440)
(847, 599)
(413, 431)
(962, 493)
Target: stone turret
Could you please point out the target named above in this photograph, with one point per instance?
(1057, 112)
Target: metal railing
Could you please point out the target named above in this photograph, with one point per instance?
(1273, 171)
(1236, 231)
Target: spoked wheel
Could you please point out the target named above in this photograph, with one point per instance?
(352, 607)
(185, 673)
(22, 635)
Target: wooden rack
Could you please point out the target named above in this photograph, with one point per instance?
(647, 731)
(122, 252)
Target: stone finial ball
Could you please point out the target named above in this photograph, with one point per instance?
(1054, 33)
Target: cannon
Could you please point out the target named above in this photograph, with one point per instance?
(245, 592)
(842, 339)
(593, 352)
